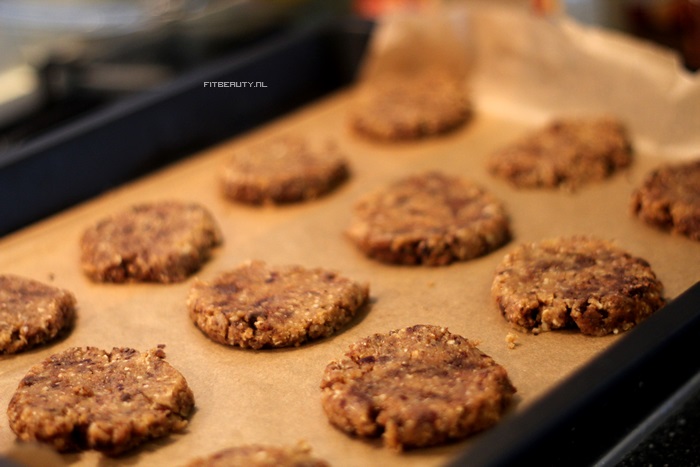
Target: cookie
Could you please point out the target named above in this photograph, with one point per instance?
(162, 242)
(669, 198)
(87, 398)
(283, 170)
(415, 387)
(261, 455)
(257, 306)
(577, 282)
(430, 219)
(567, 153)
(32, 313)
(410, 107)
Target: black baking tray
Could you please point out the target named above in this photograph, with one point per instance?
(122, 141)
(592, 417)
(607, 407)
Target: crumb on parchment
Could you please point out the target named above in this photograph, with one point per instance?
(512, 340)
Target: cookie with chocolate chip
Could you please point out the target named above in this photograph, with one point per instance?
(577, 282)
(111, 401)
(415, 387)
(429, 219)
(32, 313)
(283, 170)
(162, 242)
(257, 305)
(409, 107)
(566, 153)
(669, 199)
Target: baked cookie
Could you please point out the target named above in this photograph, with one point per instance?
(415, 387)
(567, 153)
(256, 305)
(575, 282)
(430, 219)
(150, 242)
(260, 455)
(87, 398)
(409, 107)
(283, 170)
(669, 198)
(32, 313)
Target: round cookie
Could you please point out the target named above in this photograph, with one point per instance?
(257, 306)
(669, 198)
(87, 398)
(430, 219)
(283, 170)
(568, 152)
(415, 387)
(409, 107)
(32, 313)
(151, 242)
(259, 455)
(575, 282)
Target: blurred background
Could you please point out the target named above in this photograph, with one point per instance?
(62, 58)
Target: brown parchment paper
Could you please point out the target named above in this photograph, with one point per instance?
(272, 396)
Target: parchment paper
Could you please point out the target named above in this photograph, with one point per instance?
(272, 396)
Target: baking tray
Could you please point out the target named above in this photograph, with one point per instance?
(583, 419)
(602, 411)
